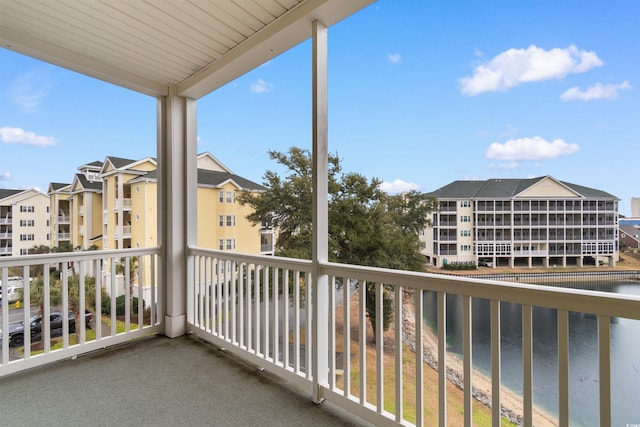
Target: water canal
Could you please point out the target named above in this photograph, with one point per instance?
(583, 353)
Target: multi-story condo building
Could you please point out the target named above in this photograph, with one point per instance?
(116, 173)
(60, 208)
(221, 221)
(86, 207)
(24, 221)
(522, 223)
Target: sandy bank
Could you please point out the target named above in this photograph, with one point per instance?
(511, 402)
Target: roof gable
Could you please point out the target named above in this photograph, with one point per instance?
(547, 187)
(207, 161)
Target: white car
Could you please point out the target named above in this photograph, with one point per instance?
(14, 284)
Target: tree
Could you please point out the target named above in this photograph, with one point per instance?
(366, 225)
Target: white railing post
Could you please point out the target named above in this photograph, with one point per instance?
(320, 285)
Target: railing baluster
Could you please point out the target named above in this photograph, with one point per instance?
(346, 336)
(256, 298)
(398, 318)
(275, 301)
(604, 368)
(242, 283)
(126, 283)
(332, 333)
(4, 277)
(234, 303)
(495, 363)
(98, 290)
(114, 295)
(296, 327)
(27, 315)
(249, 311)
(379, 347)
(81, 334)
(419, 325)
(468, 382)
(265, 312)
(227, 285)
(65, 305)
(563, 367)
(285, 319)
(442, 359)
(362, 338)
(527, 365)
(308, 353)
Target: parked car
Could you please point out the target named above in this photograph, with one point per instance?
(14, 284)
(485, 263)
(16, 329)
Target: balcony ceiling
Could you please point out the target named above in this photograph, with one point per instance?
(148, 46)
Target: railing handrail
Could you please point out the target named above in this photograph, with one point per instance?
(36, 259)
(570, 299)
(291, 263)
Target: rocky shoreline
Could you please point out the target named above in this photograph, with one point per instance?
(481, 384)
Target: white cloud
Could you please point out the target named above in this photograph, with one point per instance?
(398, 186)
(516, 66)
(394, 58)
(535, 148)
(29, 90)
(260, 86)
(597, 91)
(21, 136)
(5, 176)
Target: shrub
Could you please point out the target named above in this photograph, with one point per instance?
(120, 305)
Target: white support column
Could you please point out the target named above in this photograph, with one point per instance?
(320, 211)
(177, 177)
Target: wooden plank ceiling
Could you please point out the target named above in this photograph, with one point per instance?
(194, 45)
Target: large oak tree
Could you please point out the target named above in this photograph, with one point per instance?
(366, 225)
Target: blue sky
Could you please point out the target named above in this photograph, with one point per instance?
(421, 93)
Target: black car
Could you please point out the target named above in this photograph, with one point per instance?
(16, 329)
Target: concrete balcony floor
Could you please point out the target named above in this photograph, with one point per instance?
(157, 381)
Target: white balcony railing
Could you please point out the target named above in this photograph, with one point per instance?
(107, 278)
(6, 235)
(81, 210)
(261, 309)
(122, 203)
(126, 231)
(6, 220)
(64, 219)
(268, 311)
(64, 236)
(5, 250)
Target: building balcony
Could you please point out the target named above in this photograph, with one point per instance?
(124, 204)
(64, 236)
(6, 235)
(253, 308)
(64, 219)
(6, 220)
(81, 210)
(6, 250)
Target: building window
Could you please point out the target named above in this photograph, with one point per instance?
(47, 223)
(465, 218)
(221, 197)
(465, 233)
(221, 220)
(231, 197)
(27, 237)
(48, 238)
(465, 204)
(47, 209)
(231, 220)
(231, 244)
(465, 248)
(27, 223)
(27, 209)
(221, 244)
(24, 251)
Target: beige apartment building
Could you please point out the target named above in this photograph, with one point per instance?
(113, 205)
(221, 220)
(537, 222)
(24, 221)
